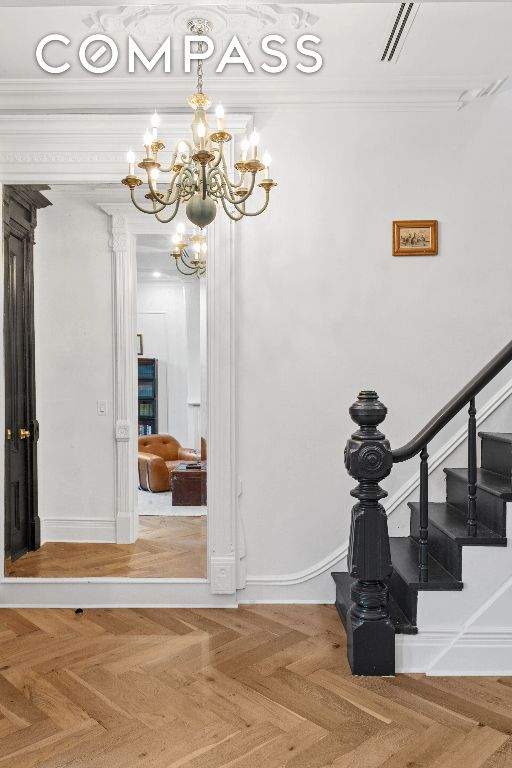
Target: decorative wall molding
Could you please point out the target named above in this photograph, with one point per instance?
(124, 296)
(222, 452)
(337, 558)
(265, 94)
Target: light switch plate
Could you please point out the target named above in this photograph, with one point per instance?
(102, 407)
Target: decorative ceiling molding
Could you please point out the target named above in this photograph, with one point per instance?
(65, 148)
(265, 94)
(153, 22)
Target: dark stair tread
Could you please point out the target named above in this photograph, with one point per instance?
(343, 583)
(405, 559)
(497, 485)
(502, 437)
(452, 522)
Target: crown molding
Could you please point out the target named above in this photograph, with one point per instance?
(54, 95)
(74, 149)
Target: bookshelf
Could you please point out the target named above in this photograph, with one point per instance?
(148, 395)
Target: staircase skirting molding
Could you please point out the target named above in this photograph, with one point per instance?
(283, 587)
(485, 651)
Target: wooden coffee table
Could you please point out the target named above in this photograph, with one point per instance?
(189, 485)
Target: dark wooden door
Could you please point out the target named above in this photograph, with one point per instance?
(22, 533)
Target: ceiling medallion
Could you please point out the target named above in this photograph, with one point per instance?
(199, 175)
(150, 21)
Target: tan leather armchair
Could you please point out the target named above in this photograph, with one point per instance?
(158, 456)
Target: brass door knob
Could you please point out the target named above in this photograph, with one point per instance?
(24, 433)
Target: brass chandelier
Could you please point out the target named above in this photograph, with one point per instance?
(199, 175)
(185, 263)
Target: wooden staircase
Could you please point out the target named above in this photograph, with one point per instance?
(448, 528)
(378, 597)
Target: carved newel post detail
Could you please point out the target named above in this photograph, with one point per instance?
(370, 632)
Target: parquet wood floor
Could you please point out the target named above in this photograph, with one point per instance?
(258, 687)
(172, 547)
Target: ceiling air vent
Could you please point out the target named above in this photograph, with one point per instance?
(403, 17)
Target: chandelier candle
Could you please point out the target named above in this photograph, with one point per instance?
(219, 113)
(130, 157)
(199, 176)
(244, 148)
(155, 123)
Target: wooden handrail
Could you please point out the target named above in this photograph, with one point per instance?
(453, 406)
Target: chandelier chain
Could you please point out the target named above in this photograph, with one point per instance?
(200, 70)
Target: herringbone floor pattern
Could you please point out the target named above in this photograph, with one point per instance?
(259, 687)
(170, 547)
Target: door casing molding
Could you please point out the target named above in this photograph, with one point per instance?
(54, 158)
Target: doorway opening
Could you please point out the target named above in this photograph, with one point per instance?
(172, 399)
(76, 375)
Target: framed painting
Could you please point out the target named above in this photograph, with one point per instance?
(415, 238)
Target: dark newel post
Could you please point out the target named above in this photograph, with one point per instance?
(472, 468)
(424, 514)
(370, 632)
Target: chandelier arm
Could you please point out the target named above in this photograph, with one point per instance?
(231, 216)
(165, 201)
(247, 194)
(187, 274)
(220, 157)
(218, 189)
(188, 182)
(173, 214)
(144, 210)
(255, 213)
(168, 169)
(226, 190)
(224, 172)
(185, 259)
(232, 184)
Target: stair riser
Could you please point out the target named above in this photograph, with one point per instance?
(497, 456)
(442, 547)
(406, 598)
(490, 509)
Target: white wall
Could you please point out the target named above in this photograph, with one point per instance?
(325, 310)
(73, 331)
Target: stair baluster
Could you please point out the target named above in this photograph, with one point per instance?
(423, 564)
(472, 468)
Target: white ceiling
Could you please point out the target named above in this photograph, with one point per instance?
(453, 52)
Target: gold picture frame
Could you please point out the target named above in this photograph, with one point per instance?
(415, 238)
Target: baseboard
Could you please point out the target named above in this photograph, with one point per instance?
(173, 512)
(446, 652)
(78, 530)
(110, 593)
